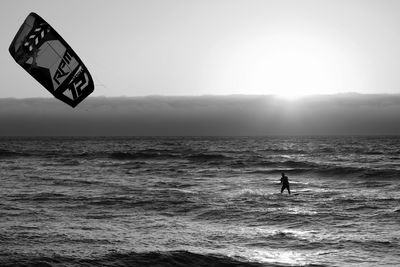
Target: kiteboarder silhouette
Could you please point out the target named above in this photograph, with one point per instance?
(285, 183)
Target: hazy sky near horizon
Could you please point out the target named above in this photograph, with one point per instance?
(344, 114)
(187, 47)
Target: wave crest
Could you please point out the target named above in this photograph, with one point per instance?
(166, 259)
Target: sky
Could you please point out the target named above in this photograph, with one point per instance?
(288, 48)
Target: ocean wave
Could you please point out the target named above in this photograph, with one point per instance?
(341, 171)
(219, 214)
(64, 154)
(274, 165)
(149, 259)
(51, 154)
(390, 213)
(372, 244)
(61, 162)
(43, 196)
(5, 153)
(285, 151)
(59, 155)
(74, 182)
(207, 157)
(283, 236)
(264, 166)
(292, 167)
(362, 207)
(48, 196)
(251, 193)
(381, 173)
(145, 154)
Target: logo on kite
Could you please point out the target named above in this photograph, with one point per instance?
(41, 51)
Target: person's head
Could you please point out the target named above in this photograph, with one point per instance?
(283, 174)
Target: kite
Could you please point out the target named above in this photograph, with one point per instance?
(44, 54)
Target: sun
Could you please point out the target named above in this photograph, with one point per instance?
(288, 65)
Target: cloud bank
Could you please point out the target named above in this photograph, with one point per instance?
(342, 114)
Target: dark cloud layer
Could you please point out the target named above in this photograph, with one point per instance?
(341, 114)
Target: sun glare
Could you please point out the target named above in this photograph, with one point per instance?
(290, 66)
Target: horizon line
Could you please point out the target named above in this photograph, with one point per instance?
(217, 95)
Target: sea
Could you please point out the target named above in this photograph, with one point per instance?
(199, 201)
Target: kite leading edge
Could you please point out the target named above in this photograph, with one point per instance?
(47, 57)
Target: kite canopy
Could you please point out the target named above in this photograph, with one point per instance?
(44, 54)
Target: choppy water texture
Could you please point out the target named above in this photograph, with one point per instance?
(200, 201)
